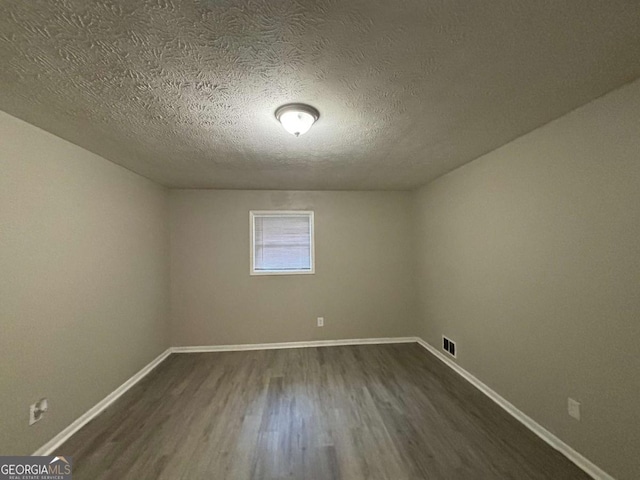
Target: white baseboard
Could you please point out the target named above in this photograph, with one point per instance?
(583, 463)
(311, 343)
(49, 447)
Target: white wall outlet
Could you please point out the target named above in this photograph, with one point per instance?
(574, 408)
(321, 321)
(36, 411)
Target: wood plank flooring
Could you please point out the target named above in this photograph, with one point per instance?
(354, 412)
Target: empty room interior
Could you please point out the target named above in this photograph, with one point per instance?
(320, 239)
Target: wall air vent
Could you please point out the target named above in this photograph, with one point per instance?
(449, 346)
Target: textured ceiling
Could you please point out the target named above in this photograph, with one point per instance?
(183, 92)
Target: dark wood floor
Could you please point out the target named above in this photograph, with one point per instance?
(354, 412)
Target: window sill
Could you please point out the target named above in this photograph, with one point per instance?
(282, 272)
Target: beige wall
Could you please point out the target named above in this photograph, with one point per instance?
(362, 285)
(84, 283)
(530, 258)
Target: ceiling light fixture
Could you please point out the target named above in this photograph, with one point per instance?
(297, 118)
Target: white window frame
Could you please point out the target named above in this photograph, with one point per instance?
(281, 213)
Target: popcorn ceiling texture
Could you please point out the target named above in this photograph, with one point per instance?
(184, 92)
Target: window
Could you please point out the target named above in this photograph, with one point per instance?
(281, 242)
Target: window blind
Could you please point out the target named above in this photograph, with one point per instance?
(282, 242)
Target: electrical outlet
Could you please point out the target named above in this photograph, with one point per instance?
(321, 321)
(36, 411)
(574, 408)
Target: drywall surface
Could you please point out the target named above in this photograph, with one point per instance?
(84, 284)
(184, 92)
(362, 286)
(529, 258)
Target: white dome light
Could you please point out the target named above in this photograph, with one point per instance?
(297, 118)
